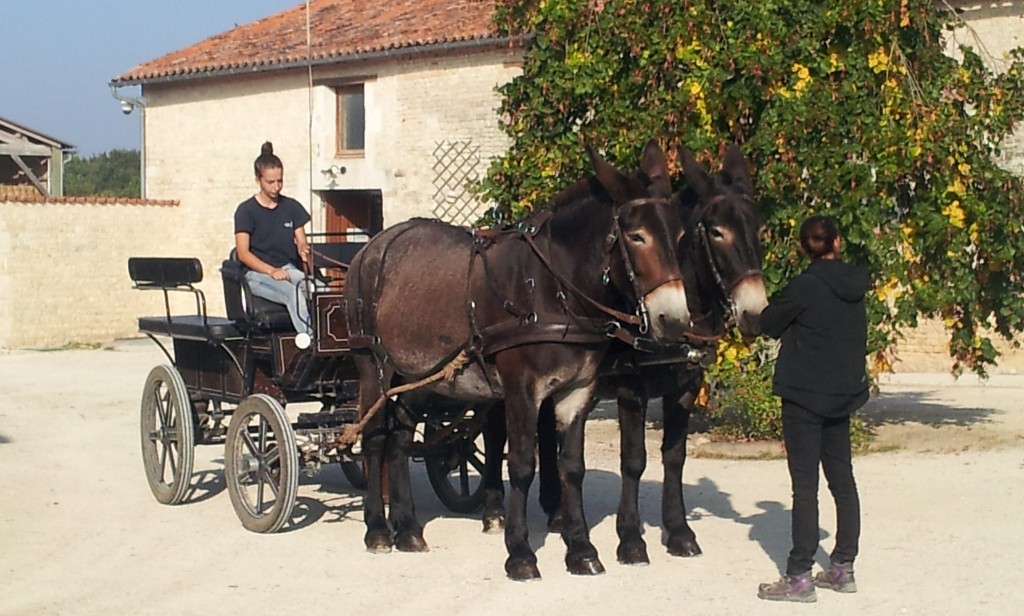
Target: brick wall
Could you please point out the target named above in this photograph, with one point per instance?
(63, 267)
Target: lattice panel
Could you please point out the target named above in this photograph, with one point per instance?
(456, 165)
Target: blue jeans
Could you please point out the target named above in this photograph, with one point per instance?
(291, 293)
(814, 442)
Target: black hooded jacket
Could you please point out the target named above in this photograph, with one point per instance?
(821, 320)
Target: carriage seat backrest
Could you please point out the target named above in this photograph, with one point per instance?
(165, 272)
(247, 309)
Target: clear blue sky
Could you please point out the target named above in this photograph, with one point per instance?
(59, 55)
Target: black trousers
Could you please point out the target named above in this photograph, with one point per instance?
(813, 440)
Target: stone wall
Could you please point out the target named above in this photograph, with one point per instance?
(64, 267)
(203, 135)
(992, 29)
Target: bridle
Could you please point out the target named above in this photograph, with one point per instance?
(640, 292)
(726, 287)
(640, 317)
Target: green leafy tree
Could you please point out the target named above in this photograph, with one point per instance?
(112, 174)
(849, 109)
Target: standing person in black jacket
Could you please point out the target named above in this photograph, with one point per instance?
(820, 376)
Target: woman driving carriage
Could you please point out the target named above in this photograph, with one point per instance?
(271, 242)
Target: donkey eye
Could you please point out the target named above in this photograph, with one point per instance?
(637, 238)
(717, 233)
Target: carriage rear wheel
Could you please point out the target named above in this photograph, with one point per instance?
(261, 464)
(456, 470)
(168, 435)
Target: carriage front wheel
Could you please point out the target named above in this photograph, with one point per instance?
(261, 464)
(168, 435)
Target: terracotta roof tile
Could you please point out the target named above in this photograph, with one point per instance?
(339, 28)
(20, 199)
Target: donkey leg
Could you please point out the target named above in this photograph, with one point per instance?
(378, 535)
(495, 437)
(401, 509)
(581, 555)
(549, 487)
(521, 423)
(681, 540)
(632, 461)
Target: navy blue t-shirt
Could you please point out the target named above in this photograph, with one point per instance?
(272, 231)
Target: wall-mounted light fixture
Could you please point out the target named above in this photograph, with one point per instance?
(334, 171)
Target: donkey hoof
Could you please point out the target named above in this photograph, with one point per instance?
(377, 542)
(519, 570)
(686, 548)
(411, 542)
(633, 554)
(588, 565)
(494, 524)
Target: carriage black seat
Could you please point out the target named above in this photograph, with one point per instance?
(247, 310)
(169, 274)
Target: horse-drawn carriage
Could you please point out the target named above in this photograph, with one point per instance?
(538, 310)
(229, 380)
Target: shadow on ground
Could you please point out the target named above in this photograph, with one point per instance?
(914, 407)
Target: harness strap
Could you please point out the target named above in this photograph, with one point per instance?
(511, 334)
(632, 319)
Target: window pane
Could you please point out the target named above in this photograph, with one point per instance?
(353, 119)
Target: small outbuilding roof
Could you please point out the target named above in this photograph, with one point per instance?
(12, 133)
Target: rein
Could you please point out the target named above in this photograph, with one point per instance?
(640, 318)
(327, 259)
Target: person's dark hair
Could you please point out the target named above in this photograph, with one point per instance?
(266, 160)
(817, 236)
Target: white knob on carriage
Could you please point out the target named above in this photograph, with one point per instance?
(302, 340)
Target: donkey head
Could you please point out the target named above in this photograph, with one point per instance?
(723, 238)
(643, 242)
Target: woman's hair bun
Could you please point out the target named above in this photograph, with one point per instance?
(267, 148)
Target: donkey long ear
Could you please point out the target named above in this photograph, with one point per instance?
(736, 171)
(655, 167)
(614, 181)
(696, 176)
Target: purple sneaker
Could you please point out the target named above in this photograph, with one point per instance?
(798, 588)
(838, 577)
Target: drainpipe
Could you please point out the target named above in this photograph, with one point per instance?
(129, 104)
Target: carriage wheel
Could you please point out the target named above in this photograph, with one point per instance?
(168, 435)
(456, 470)
(352, 469)
(261, 464)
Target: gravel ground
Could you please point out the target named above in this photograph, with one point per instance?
(80, 532)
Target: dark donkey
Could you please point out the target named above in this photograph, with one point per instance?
(720, 258)
(533, 306)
